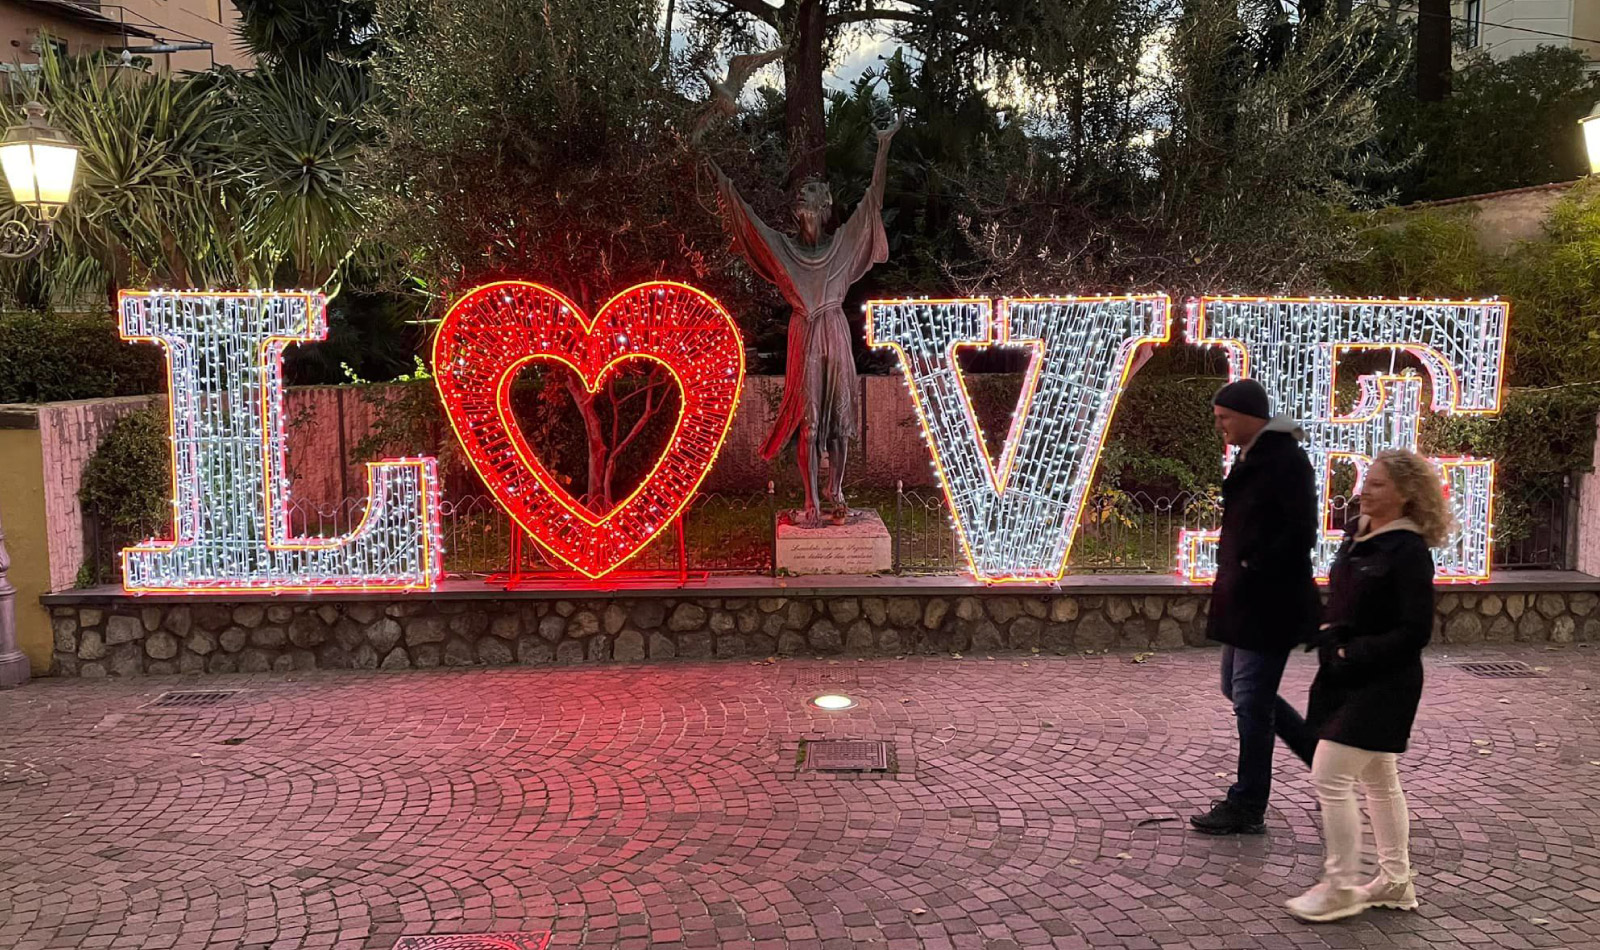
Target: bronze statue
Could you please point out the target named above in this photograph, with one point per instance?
(813, 273)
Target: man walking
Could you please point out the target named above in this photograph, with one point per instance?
(1264, 602)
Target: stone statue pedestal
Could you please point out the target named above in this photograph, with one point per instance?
(859, 546)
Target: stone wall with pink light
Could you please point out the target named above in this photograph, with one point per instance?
(98, 634)
(69, 433)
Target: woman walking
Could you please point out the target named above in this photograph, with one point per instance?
(1364, 698)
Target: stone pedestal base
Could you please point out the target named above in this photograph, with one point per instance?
(14, 669)
(859, 547)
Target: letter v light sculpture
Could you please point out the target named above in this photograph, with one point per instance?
(1016, 519)
(230, 486)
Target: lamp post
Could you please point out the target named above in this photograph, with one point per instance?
(1591, 137)
(39, 164)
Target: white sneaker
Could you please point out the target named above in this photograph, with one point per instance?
(1382, 892)
(1326, 902)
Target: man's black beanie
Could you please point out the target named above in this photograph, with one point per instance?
(1244, 396)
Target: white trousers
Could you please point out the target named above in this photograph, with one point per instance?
(1336, 769)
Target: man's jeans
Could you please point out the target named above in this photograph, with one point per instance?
(1250, 678)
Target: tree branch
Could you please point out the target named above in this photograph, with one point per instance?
(758, 9)
(656, 382)
(638, 426)
(866, 16)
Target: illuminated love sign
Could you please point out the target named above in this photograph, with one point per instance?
(1016, 515)
(494, 331)
(230, 487)
(1291, 346)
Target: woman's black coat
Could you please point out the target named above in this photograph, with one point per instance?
(1380, 611)
(1264, 597)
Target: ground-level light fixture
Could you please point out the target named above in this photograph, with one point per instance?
(1591, 138)
(833, 701)
(40, 164)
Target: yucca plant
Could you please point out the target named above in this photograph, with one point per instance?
(210, 180)
(152, 178)
(295, 133)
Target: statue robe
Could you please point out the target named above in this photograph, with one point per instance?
(820, 371)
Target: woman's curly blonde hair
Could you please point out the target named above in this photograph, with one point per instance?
(1418, 483)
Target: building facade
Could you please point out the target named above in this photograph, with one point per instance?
(1504, 28)
(173, 34)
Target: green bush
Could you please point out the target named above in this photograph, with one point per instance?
(1161, 439)
(1506, 124)
(127, 482)
(48, 357)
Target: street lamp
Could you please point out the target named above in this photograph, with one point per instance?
(39, 164)
(1591, 138)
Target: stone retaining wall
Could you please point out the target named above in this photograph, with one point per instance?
(127, 636)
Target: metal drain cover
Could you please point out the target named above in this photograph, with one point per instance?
(521, 941)
(1506, 669)
(827, 678)
(191, 699)
(846, 755)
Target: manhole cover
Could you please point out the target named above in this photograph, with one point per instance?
(846, 755)
(1508, 669)
(191, 699)
(524, 941)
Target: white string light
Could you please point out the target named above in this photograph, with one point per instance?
(230, 483)
(1292, 346)
(1016, 519)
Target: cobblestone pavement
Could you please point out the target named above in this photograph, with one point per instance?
(1038, 802)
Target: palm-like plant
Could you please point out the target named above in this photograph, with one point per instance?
(308, 32)
(150, 175)
(215, 180)
(295, 133)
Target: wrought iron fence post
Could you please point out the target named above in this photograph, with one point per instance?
(899, 498)
(1569, 524)
(683, 554)
(97, 555)
(772, 526)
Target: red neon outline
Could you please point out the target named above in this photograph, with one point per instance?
(1239, 368)
(269, 355)
(591, 357)
(999, 334)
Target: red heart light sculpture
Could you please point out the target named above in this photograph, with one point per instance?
(496, 329)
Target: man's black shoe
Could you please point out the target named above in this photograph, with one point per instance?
(1229, 818)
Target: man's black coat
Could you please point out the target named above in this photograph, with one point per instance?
(1265, 597)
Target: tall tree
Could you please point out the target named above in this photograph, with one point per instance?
(1244, 170)
(536, 141)
(1016, 46)
(1433, 50)
(308, 32)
